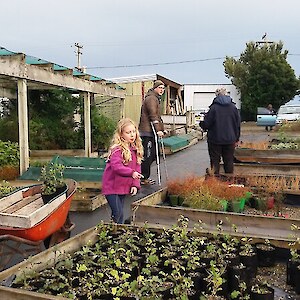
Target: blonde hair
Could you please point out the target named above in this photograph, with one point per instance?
(119, 142)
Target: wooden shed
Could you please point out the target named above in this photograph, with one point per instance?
(137, 88)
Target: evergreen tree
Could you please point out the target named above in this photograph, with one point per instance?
(262, 75)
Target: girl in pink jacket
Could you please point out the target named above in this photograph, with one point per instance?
(122, 173)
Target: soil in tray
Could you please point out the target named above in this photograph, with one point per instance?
(287, 211)
(276, 276)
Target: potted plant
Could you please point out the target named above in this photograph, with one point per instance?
(294, 261)
(179, 188)
(248, 256)
(217, 284)
(265, 254)
(53, 184)
(261, 291)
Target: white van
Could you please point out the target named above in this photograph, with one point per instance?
(288, 112)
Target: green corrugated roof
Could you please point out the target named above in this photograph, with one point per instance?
(4, 51)
(31, 60)
(59, 68)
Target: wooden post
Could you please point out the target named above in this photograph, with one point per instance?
(23, 125)
(87, 124)
(122, 108)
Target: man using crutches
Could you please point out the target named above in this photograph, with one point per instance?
(151, 128)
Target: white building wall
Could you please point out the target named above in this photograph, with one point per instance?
(200, 96)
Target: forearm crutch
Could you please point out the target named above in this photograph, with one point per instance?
(157, 154)
(164, 157)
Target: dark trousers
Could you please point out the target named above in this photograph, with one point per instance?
(267, 128)
(216, 152)
(149, 155)
(116, 203)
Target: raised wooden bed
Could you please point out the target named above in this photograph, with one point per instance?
(87, 200)
(45, 155)
(268, 156)
(40, 262)
(175, 148)
(264, 169)
(277, 229)
(45, 260)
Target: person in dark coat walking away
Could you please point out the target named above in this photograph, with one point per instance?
(151, 113)
(222, 123)
(123, 168)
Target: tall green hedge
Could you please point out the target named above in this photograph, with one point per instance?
(9, 154)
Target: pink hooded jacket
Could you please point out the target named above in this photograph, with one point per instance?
(117, 177)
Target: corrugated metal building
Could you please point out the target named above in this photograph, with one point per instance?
(198, 97)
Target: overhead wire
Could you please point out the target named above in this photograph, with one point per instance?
(165, 63)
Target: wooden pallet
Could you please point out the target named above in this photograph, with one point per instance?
(26, 212)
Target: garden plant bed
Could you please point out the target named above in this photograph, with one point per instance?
(155, 210)
(244, 169)
(282, 156)
(87, 199)
(129, 262)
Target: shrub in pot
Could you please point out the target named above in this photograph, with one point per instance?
(53, 184)
(261, 291)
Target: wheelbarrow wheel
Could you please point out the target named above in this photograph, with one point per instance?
(61, 235)
(56, 238)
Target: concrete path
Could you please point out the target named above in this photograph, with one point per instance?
(192, 160)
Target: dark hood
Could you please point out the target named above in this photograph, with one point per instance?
(222, 100)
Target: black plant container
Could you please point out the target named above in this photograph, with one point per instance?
(297, 280)
(198, 279)
(236, 275)
(266, 255)
(48, 198)
(59, 191)
(265, 296)
(250, 261)
(291, 271)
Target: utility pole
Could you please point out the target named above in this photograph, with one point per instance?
(78, 53)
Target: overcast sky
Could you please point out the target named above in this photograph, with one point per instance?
(161, 34)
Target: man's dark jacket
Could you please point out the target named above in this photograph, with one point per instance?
(222, 121)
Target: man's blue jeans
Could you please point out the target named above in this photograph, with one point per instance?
(116, 203)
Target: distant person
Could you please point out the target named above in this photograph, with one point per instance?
(271, 112)
(151, 113)
(222, 123)
(123, 168)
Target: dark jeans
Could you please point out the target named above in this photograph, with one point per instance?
(216, 152)
(149, 155)
(116, 203)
